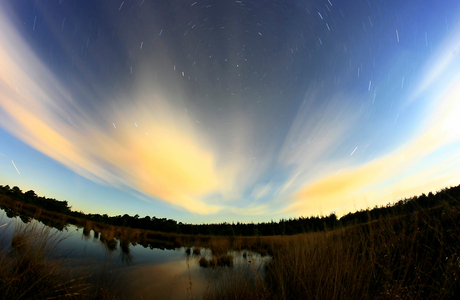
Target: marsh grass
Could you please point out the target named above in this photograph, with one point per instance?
(111, 235)
(31, 267)
(196, 250)
(222, 260)
(236, 282)
(413, 256)
(398, 257)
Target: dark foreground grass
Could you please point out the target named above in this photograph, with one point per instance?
(32, 268)
(415, 256)
(409, 257)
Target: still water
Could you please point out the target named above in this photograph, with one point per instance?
(143, 272)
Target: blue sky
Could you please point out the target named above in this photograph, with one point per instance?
(212, 111)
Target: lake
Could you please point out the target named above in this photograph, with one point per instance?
(145, 270)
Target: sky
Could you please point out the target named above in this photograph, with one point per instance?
(227, 111)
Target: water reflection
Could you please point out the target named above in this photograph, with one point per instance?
(125, 253)
(148, 265)
(176, 279)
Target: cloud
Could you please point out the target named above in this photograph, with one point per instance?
(251, 209)
(317, 132)
(407, 171)
(159, 145)
(259, 191)
(425, 163)
(320, 129)
(440, 70)
(149, 147)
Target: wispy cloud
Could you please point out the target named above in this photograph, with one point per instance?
(425, 162)
(153, 139)
(317, 134)
(151, 148)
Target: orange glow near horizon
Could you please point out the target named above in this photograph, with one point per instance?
(167, 163)
(217, 160)
(370, 183)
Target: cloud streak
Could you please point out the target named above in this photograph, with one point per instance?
(182, 113)
(161, 156)
(419, 165)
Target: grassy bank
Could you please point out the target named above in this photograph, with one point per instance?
(410, 256)
(405, 257)
(32, 268)
(119, 236)
(300, 224)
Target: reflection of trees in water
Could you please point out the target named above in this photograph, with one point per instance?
(10, 213)
(25, 219)
(160, 245)
(144, 243)
(27, 216)
(112, 236)
(108, 241)
(111, 243)
(125, 254)
(107, 234)
(57, 225)
(96, 235)
(86, 233)
(222, 260)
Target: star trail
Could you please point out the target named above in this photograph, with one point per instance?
(212, 111)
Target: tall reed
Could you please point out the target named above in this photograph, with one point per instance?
(31, 267)
(398, 257)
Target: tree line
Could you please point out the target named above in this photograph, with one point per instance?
(282, 227)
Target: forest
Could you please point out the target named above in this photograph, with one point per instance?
(282, 227)
(405, 250)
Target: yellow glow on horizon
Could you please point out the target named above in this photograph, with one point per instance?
(173, 159)
(158, 150)
(170, 163)
(330, 190)
(370, 183)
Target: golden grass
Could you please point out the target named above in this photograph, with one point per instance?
(31, 268)
(409, 257)
(236, 282)
(108, 233)
(28, 268)
(416, 256)
(196, 250)
(223, 260)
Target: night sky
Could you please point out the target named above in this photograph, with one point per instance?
(213, 111)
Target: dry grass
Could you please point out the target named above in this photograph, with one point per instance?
(223, 260)
(108, 233)
(409, 257)
(237, 282)
(196, 250)
(400, 257)
(31, 268)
